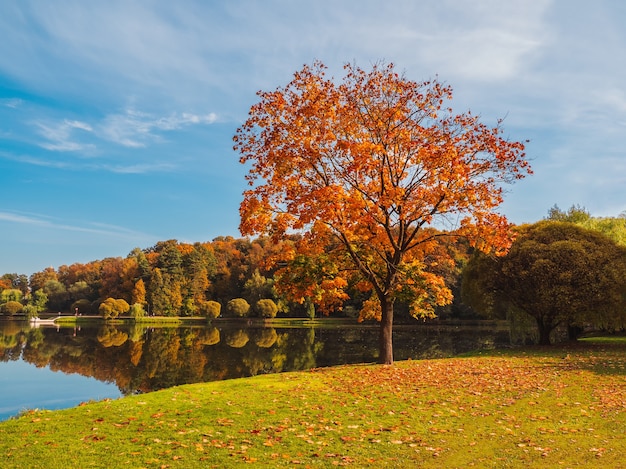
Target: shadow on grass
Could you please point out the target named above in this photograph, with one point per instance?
(604, 355)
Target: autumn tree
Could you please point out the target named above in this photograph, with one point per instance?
(39, 279)
(198, 263)
(17, 281)
(575, 214)
(170, 258)
(361, 168)
(118, 277)
(556, 272)
(142, 262)
(139, 292)
(6, 282)
(21, 282)
(88, 273)
(231, 267)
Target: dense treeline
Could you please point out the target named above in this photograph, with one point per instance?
(169, 279)
(568, 270)
(227, 277)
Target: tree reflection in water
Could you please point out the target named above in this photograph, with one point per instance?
(144, 358)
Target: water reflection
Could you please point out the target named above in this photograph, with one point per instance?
(141, 359)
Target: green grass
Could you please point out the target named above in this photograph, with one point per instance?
(159, 320)
(614, 339)
(73, 320)
(536, 407)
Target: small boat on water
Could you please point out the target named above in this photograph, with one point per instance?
(39, 321)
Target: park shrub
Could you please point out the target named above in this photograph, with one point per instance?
(112, 308)
(238, 307)
(266, 308)
(11, 308)
(11, 294)
(210, 309)
(137, 311)
(30, 311)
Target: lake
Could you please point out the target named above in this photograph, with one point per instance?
(52, 367)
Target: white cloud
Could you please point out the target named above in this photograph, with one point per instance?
(487, 40)
(21, 219)
(114, 47)
(191, 52)
(78, 125)
(131, 129)
(553, 66)
(35, 161)
(73, 165)
(11, 102)
(135, 129)
(84, 227)
(139, 168)
(60, 136)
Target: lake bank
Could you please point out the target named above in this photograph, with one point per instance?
(140, 357)
(534, 407)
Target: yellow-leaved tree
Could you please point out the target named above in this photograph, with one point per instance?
(363, 169)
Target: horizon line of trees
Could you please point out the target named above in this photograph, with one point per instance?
(228, 276)
(238, 278)
(167, 279)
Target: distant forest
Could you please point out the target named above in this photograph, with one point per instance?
(179, 279)
(240, 278)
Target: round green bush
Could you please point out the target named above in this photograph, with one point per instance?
(11, 308)
(238, 307)
(266, 308)
(211, 309)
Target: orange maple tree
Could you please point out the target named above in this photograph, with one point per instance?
(363, 169)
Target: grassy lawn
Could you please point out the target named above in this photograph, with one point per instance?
(536, 407)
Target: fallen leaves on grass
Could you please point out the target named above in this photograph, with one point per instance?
(431, 413)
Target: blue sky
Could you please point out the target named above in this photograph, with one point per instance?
(116, 116)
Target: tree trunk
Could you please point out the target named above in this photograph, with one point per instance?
(544, 331)
(574, 332)
(386, 329)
